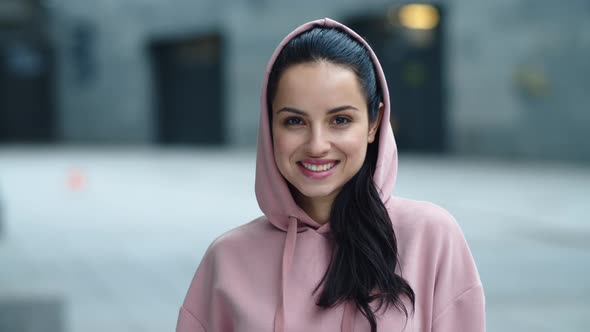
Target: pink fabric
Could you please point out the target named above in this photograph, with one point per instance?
(290, 242)
(261, 276)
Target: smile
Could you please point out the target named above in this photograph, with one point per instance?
(318, 168)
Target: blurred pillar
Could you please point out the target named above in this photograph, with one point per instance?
(26, 74)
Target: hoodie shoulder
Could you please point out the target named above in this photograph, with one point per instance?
(243, 235)
(414, 215)
(231, 261)
(437, 258)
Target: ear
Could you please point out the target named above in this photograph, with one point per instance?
(375, 125)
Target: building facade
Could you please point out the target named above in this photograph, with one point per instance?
(512, 79)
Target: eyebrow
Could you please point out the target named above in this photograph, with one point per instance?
(333, 110)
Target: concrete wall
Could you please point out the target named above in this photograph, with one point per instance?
(520, 77)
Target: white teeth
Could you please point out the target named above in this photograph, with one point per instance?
(318, 168)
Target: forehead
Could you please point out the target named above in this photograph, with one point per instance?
(318, 85)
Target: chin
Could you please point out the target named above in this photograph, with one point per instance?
(317, 193)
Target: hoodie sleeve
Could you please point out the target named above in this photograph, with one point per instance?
(459, 303)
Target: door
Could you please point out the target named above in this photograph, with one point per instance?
(412, 58)
(188, 86)
(26, 92)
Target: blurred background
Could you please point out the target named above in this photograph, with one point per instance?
(128, 132)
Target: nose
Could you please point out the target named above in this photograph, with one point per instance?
(319, 143)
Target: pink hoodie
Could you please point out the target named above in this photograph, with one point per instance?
(261, 276)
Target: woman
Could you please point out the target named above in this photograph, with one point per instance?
(334, 250)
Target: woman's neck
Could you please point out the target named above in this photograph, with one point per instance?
(317, 208)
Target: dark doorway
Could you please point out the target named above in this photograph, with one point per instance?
(188, 86)
(26, 92)
(412, 59)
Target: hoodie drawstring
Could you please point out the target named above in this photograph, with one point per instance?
(288, 252)
(348, 316)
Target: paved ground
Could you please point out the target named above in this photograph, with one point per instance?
(116, 234)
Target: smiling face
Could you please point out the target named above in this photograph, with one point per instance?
(320, 129)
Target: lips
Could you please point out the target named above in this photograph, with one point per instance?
(317, 169)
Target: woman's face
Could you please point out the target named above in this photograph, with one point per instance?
(320, 128)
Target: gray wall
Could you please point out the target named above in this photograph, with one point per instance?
(520, 78)
(114, 104)
(517, 70)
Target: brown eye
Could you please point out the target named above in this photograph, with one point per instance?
(292, 121)
(341, 120)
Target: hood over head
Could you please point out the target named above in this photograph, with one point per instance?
(272, 191)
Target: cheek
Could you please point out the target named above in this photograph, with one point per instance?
(354, 142)
(283, 147)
